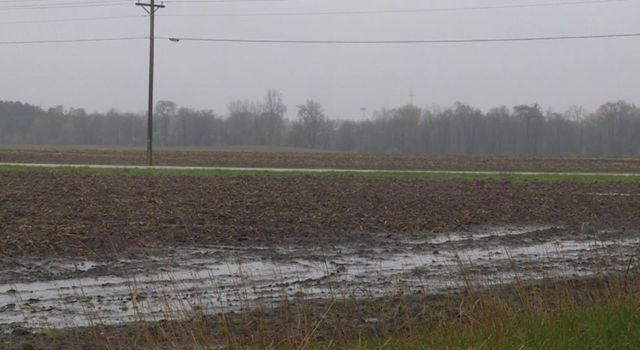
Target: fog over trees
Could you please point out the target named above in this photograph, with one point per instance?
(612, 130)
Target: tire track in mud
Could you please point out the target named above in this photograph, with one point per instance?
(213, 279)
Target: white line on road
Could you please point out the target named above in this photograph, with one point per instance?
(311, 170)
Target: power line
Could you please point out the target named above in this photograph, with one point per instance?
(65, 5)
(337, 42)
(428, 41)
(267, 14)
(77, 19)
(214, 1)
(59, 7)
(51, 3)
(61, 2)
(102, 3)
(65, 41)
(392, 11)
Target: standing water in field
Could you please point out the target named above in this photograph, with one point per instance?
(169, 284)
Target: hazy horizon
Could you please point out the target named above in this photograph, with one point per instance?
(343, 78)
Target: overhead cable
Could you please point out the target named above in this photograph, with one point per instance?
(398, 11)
(50, 2)
(65, 5)
(66, 41)
(76, 19)
(336, 42)
(417, 41)
(273, 14)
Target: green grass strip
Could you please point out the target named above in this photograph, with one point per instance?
(614, 325)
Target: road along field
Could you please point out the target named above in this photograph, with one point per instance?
(247, 157)
(80, 248)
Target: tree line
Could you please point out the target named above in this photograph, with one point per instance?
(612, 130)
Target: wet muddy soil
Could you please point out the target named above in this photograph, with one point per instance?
(100, 217)
(109, 249)
(169, 283)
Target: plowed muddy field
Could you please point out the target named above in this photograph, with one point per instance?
(247, 157)
(81, 249)
(101, 215)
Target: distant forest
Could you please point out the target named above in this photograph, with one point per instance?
(612, 130)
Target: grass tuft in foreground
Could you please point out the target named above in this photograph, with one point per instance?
(612, 325)
(596, 313)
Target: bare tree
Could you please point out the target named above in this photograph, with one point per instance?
(461, 129)
(315, 125)
(165, 111)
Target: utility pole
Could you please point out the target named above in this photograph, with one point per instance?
(151, 9)
(411, 96)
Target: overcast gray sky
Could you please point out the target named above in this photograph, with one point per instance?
(343, 78)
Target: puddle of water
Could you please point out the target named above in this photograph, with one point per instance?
(611, 194)
(218, 279)
(82, 266)
(114, 299)
(474, 236)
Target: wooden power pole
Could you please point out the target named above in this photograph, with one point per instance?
(151, 9)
